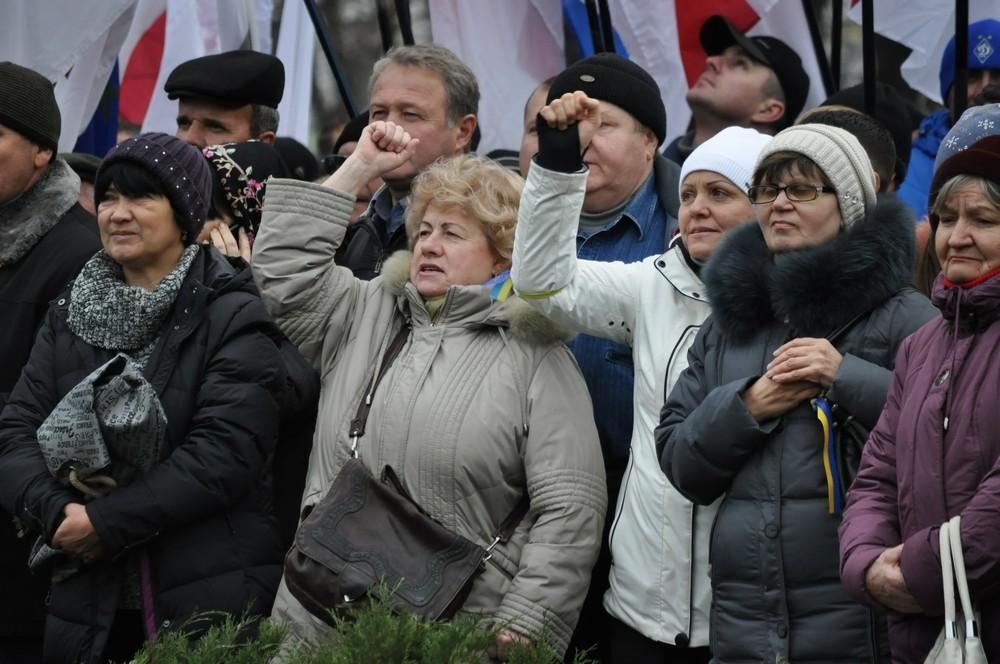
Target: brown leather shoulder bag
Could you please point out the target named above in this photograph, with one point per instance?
(367, 531)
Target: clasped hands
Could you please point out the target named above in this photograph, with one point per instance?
(76, 535)
(800, 370)
(884, 581)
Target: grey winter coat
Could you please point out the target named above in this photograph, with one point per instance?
(482, 405)
(776, 592)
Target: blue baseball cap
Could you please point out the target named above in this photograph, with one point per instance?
(984, 52)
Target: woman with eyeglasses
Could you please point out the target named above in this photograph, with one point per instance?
(783, 382)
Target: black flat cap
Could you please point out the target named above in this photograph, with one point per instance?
(234, 78)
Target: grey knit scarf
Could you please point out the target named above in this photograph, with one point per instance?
(106, 312)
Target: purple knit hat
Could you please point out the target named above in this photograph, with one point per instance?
(181, 168)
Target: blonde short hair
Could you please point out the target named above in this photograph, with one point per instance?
(476, 186)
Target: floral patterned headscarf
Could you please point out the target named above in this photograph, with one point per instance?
(240, 173)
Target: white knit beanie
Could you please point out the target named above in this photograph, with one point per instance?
(841, 158)
(732, 153)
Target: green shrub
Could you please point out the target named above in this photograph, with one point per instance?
(372, 633)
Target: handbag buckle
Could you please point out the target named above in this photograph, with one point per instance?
(354, 446)
(489, 549)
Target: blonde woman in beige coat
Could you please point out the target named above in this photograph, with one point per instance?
(483, 404)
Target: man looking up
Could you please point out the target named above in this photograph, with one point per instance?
(229, 97)
(430, 93)
(755, 82)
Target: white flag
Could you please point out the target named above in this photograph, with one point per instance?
(71, 43)
(296, 48)
(511, 46)
(925, 27)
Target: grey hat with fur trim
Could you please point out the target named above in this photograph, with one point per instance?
(841, 158)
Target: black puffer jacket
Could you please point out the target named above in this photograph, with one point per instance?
(367, 245)
(203, 515)
(26, 288)
(776, 591)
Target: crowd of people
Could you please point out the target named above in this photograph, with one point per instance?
(709, 400)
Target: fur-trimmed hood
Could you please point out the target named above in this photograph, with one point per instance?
(26, 219)
(819, 289)
(475, 307)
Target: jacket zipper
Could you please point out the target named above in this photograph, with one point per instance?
(618, 516)
(694, 508)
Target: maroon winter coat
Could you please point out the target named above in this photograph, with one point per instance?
(916, 473)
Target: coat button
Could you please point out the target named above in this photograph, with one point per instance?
(61, 301)
(771, 530)
(681, 640)
(661, 263)
(782, 631)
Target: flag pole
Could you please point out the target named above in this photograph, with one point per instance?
(960, 92)
(384, 25)
(829, 83)
(607, 30)
(868, 52)
(405, 21)
(595, 26)
(836, 39)
(324, 41)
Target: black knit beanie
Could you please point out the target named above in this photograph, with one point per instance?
(181, 168)
(610, 77)
(28, 105)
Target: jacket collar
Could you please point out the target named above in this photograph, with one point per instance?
(675, 269)
(816, 290)
(469, 307)
(977, 305)
(26, 219)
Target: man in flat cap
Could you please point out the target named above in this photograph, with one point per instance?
(45, 238)
(229, 97)
(755, 82)
(629, 212)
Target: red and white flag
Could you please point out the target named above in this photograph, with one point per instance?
(165, 33)
(512, 46)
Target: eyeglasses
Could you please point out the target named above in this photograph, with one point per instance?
(798, 193)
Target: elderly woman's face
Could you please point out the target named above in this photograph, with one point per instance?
(967, 238)
(137, 232)
(710, 206)
(789, 225)
(450, 249)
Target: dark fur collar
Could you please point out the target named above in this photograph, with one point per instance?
(26, 219)
(816, 290)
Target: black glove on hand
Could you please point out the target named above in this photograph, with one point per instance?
(558, 149)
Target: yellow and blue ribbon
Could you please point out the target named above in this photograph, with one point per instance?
(501, 287)
(831, 465)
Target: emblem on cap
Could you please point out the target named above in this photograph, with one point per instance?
(983, 49)
(587, 78)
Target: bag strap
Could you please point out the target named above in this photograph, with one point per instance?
(507, 527)
(958, 560)
(948, 582)
(364, 408)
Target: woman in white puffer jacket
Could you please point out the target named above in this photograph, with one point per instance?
(660, 592)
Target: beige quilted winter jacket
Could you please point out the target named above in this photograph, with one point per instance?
(483, 404)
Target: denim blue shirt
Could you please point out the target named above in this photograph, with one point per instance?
(392, 216)
(639, 232)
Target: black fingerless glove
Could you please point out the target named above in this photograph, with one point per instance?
(558, 149)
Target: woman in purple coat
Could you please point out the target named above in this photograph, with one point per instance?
(935, 452)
